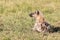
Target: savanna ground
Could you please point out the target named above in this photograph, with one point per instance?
(15, 23)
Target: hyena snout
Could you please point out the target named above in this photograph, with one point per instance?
(31, 14)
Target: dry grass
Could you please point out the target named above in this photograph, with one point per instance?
(15, 23)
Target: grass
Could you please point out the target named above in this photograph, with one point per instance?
(15, 23)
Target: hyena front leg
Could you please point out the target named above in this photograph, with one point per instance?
(37, 27)
(34, 28)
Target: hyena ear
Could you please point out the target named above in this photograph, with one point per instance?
(37, 12)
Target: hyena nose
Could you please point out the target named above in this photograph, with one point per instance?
(30, 15)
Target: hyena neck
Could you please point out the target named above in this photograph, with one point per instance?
(40, 19)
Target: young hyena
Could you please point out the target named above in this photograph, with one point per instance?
(40, 24)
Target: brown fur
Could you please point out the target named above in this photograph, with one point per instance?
(40, 25)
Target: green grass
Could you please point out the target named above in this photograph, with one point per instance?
(15, 23)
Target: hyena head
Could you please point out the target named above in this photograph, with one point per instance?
(34, 14)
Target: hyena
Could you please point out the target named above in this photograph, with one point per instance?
(40, 23)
